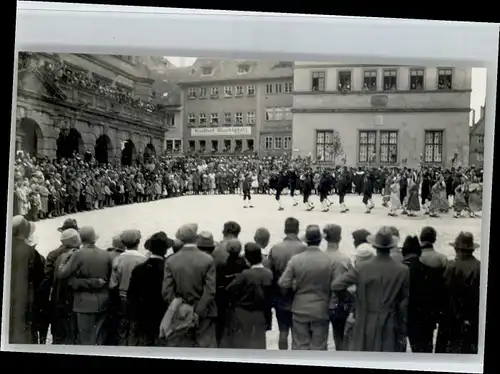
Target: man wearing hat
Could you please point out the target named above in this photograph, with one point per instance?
(310, 274)
(146, 304)
(190, 274)
(89, 305)
(382, 291)
(120, 279)
(458, 330)
(206, 242)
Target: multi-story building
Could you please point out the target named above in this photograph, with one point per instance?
(384, 115)
(477, 141)
(100, 104)
(228, 105)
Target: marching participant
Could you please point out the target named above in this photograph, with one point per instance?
(324, 188)
(292, 185)
(307, 188)
(343, 186)
(281, 183)
(246, 187)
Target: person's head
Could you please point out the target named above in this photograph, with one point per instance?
(384, 240)
(20, 227)
(188, 233)
(253, 254)
(411, 246)
(262, 237)
(206, 242)
(313, 235)
(291, 226)
(131, 239)
(159, 243)
(70, 238)
(464, 243)
(428, 236)
(231, 230)
(360, 237)
(88, 235)
(332, 233)
(233, 247)
(117, 242)
(177, 245)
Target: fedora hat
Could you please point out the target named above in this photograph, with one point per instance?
(465, 242)
(69, 223)
(383, 239)
(205, 240)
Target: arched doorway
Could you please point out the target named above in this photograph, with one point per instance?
(103, 150)
(29, 137)
(128, 153)
(69, 143)
(148, 152)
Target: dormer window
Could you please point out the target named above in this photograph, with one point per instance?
(243, 69)
(207, 70)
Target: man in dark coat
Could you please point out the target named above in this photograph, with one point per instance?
(278, 258)
(310, 274)
(459, 324)
(89, 305)
(190, 275)
(146, 304)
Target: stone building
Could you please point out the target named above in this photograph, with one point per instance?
(237, 106)
(476, 155)
(102, 104)
(381, 115)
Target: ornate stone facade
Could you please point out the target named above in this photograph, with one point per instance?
(90, 108)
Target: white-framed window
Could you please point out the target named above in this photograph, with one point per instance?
(278, 114)
(227, 118)
(388, 147)
(251, 90)
(191, 93)
(288, 87)
(214, 91)
(278, 142)
(269, 114)
(433, 146)
(251, 118)
(268, 142)
(207, 70)
(390, 80)
(370, 80)
(318, 81)
(445, 79)
(238, 118)
(417, 79)
(278, 88)
(243, 69)
(192, 119)
(214, 118)
(345, 81)
(203, 119)
(288, 113)
(367, 145)
(203, 92)
(228, 91)
(287, 142)
(269, 89)
(239, 90)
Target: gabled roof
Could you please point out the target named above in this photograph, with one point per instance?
(227, 70)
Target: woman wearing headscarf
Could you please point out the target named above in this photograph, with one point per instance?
(27, 273)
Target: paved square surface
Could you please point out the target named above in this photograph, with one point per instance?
(210, 213)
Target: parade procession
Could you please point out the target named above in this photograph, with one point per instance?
(178, 243)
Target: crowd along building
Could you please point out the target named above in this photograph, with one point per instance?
(381, 115)
(97, 104)
(237, 107)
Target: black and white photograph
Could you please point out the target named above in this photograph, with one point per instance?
(215, 203)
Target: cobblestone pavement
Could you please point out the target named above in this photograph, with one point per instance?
(210, 212)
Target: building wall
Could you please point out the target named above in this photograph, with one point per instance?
(410, 127)
(174, 135)
(220, 104)
(402, 109)
(274, 130)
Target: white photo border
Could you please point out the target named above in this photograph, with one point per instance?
(107, 29)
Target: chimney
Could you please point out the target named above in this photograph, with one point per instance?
(473, 117)
(482, 112)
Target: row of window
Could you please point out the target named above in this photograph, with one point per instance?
(242, 69)
(228, 145)
(387, 146)
(389, 82)
(238, 90)
(228, 119)
(277, 142)
(279, 114)
(174, 146)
